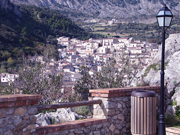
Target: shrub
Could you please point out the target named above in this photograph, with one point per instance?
(82, 110)
(35, 80)
(173, 103)
(177, 112)
(173, 120)
(170, 119)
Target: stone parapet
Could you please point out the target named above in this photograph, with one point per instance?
(116, 106)
(119, 92)
(110, 117)
(18, 100)
(84, 126)
(17, 114)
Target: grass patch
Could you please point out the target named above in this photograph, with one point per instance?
(99, 28)
(104, 34)
(82, 110)
(153, 66)
(97, 25)
(173, 103)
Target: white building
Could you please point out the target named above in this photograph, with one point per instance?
(125, 40)
(8, 78)
(103, 50)
(63, 39)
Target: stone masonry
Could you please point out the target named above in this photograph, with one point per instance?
(110, 117)
(116, 106)
(17, 114)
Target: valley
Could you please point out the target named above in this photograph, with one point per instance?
(140, 31)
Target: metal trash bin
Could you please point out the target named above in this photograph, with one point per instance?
(143, 113)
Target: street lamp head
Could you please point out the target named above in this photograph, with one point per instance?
(164, 17)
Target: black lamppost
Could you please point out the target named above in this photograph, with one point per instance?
(164, 19)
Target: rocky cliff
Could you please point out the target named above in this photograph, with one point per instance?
(7, 5)
(151, 74)
(105, 8)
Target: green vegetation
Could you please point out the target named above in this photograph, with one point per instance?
(140, 31)
(173, 119)
(8, 89)
(29, 34)
(177, 111)
(85, 83)
(173, 103)
(35, 80)
(82, 110)
(108, 77)
(153, 66)
(53, 121)
(74, 98)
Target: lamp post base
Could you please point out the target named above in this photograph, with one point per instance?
(161, 125)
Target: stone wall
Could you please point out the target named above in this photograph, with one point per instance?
(116, 106)
(17, 114)
(110, 117)
(93, 126)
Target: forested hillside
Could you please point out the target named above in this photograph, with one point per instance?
(28, 34)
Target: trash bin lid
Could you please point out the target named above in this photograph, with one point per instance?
(143, 93)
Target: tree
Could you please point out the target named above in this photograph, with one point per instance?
(109, 76)
(50, 51)
(40, 15)
(24, 31)
(10, 61)
(10, 70)
(8, 89)
(5, 54)
(34, 79)
(3, 68)
(85, 82)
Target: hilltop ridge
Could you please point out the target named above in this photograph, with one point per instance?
(119, 9)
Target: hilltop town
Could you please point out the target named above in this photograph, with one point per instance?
(94, 53)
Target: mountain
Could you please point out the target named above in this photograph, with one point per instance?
(25, 30)
(7, 5)
(120, 9)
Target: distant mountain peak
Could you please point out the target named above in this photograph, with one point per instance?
(119, 9)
